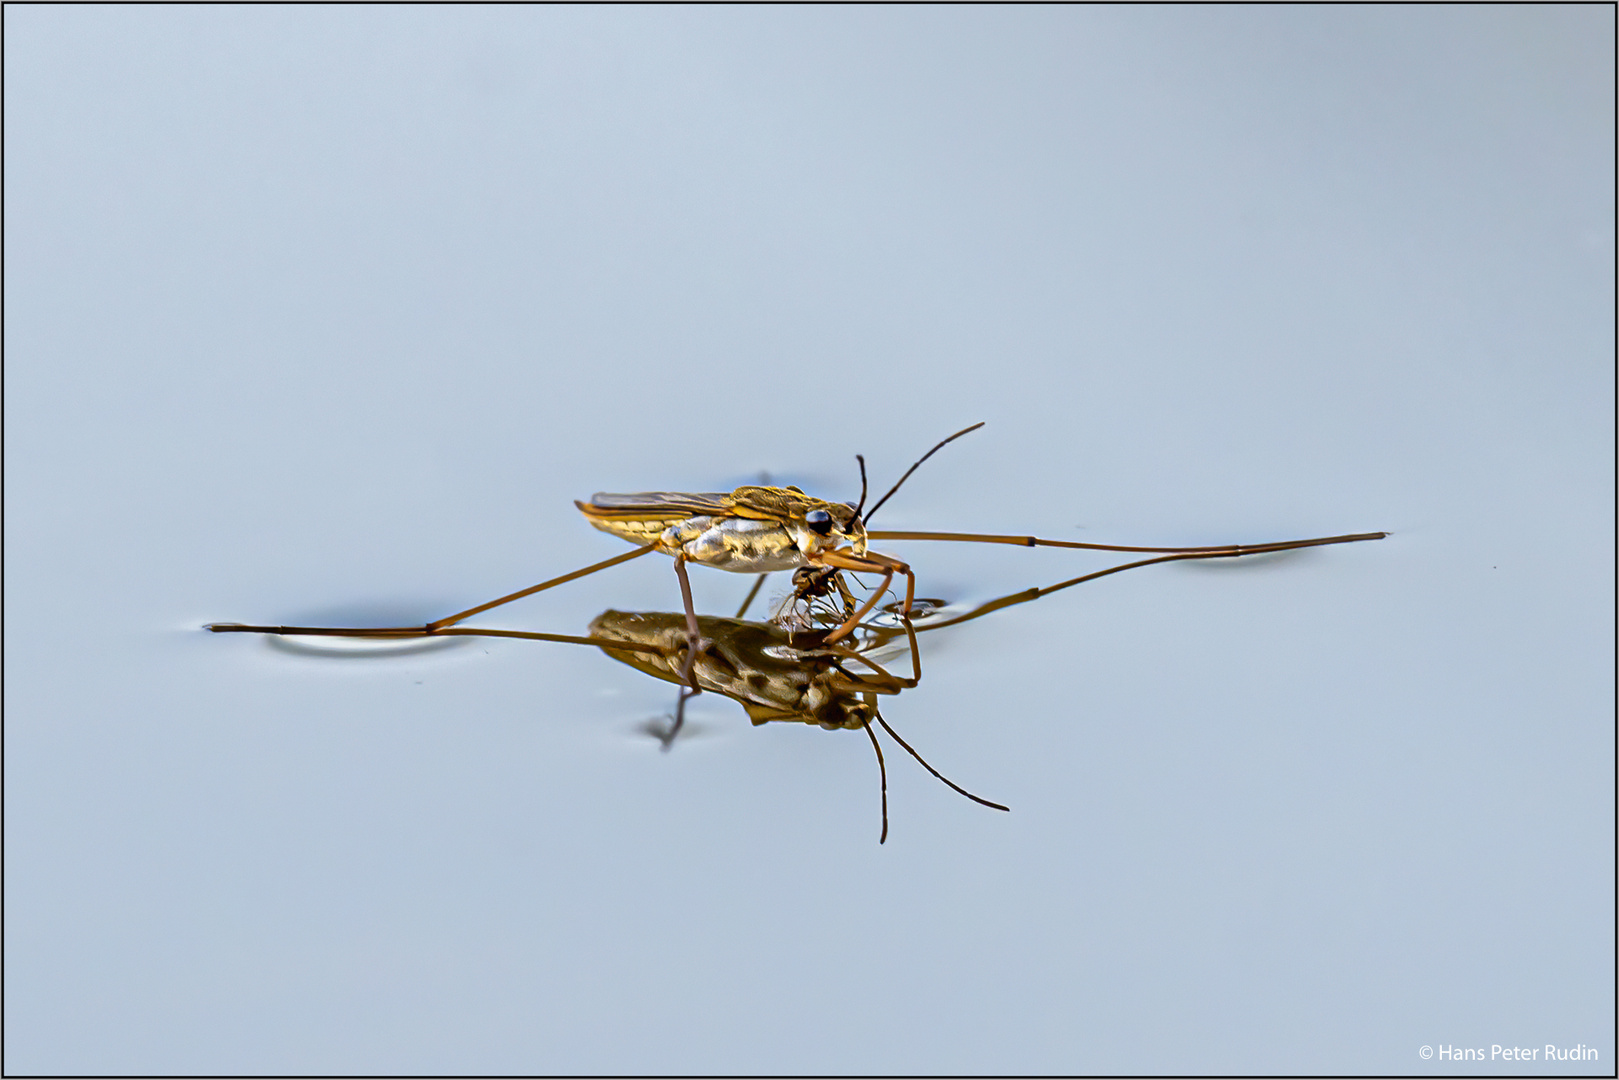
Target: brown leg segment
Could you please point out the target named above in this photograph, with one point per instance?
(1214, 553)
(694, 645)
(1035, 541)
(443, 626)
(406, 632)
(870, 563)
(434, 627)
(889, 683)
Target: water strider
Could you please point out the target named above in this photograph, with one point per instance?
(758, 529)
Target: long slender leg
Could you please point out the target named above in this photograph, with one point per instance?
(434, 627)
(694, 645)
(890, 680)
(405, 633)
(916, 654)
(322, 631)
(1176, 554)
(758, 583)
(1027, 595)
(865, 609)
(871, 562)
(881, 683)
(843, 593)
(1035, 541)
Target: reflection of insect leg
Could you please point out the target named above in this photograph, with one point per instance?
(747, 601)
(872, 561)
(445, 626)
(885, 682)
(1208, 553)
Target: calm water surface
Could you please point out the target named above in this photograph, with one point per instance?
(318, 315)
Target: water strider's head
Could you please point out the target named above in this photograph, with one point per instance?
(831, 525)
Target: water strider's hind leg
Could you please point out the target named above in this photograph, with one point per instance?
(405, 633)
(444, 626)
(434, 627)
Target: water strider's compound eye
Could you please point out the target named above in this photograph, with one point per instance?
(819, 520)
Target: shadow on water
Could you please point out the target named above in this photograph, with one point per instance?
(348, 648)
(1249, 562)
(661, 728)
(363, 648)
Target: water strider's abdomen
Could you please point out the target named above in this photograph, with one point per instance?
(740, 545)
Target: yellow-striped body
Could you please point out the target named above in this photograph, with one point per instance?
(752, 530)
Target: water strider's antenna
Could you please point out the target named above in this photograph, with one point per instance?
(954, 787)
(862, 459)
(882, 770)
(912, 469)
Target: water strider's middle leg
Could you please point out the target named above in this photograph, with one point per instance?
(694, 645)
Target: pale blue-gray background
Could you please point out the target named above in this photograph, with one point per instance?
(328, 313)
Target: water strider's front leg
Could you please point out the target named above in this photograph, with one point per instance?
(871, 563)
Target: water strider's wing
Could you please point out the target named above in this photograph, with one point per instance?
(773, 503)
(654, 505)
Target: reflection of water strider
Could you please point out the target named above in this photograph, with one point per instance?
(777, 675)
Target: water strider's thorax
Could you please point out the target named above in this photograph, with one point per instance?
(814, 525)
